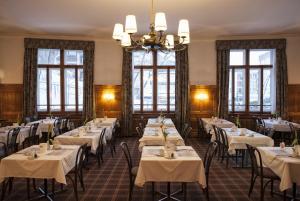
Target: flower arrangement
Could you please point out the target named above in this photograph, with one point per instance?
(237, 121)
(49, 140)
(295, 140)
(275, 115)
(85, 121)
(19, 121)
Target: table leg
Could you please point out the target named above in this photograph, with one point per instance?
(169, 195)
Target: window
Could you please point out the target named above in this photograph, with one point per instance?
(60, 80)
(153, 81)
(251, 80)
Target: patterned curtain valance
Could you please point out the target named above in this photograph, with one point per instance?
(251, 44)
(59, 44)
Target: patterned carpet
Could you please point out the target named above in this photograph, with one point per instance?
(110, 181)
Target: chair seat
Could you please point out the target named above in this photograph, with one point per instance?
(268, 173)
(134, 170)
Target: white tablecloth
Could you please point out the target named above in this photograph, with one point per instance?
(236, 141)
(186, 167)
(280, 126)
(91, 137)
(52, 164)
(154, 122)
(282, 164)
(108, 122)
(154, 136)
(221, 123)
(43, 125)
(24, 133)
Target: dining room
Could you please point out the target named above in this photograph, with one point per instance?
(149, 100)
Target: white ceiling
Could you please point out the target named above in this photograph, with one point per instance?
(96, 17)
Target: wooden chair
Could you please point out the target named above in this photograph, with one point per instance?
(185, 126)
(210, 153)
(132, 171)
(201, 129)
(186, 135)
(112, 141)
(32, 138)
(100, 148)
(258, 170)
(139, 132)
(76, 174)
(12, 136)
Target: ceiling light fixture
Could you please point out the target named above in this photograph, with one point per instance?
(156, 39)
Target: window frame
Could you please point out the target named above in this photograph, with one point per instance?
(62, 66)
(155, 67)
(247, 68)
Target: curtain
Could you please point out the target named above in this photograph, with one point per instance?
(29, 81)
(182, 88)
(127, 93)
(88, 84)
(30, 69)
(223, 47)
(222, 82)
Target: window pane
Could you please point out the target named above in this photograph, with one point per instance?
(49, 56)
(41, 89)
(172, 90)
(148, 89)
(239, 90)
(254, 87)
(267, 90)
(260, 57)
(142, 58)
(237, 57)
(136, 83)
(73, 57)
(162, 89)
(230, 91)
(54, 82)
(166, 59)
(70, 90)
(80, 89)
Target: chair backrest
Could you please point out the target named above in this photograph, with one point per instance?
(217, 134)
(210, 152)
(187, 134)
(33, 129)
(12, 138)
(256, 163)
(185, 126)
(224, 139)
(80, 158)
(293, 132)
(102, 135)
(127, 154)
(118, 127)
(139, 131)
(4, 148)
(201, 128)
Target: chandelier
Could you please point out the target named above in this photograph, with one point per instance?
(156, 39)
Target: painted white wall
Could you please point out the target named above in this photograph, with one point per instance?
(108, 60)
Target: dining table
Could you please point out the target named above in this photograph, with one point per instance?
(23, 134)
(43, 125)
(221, 123)
(185, 166)
(157, 122)
(82, 135)
(284, 163)
(52, 164)
(155, 136)
(279, 125)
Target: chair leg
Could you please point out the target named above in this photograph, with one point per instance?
(10, 184)
(98, 158)
(4, 186)
(272, 185)
(253, 178)
(81, 181)
(33, 184)
(153, 191)
(28, 188)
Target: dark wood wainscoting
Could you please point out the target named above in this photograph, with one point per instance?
(108, 100)
(203, 103)
(294, 102)
(11, 102)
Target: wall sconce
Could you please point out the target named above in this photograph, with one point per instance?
(201, 96)
(108, 96)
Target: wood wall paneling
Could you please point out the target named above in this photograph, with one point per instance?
(11, 102)
(108, 100)
(203, 103)
(293, 101)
